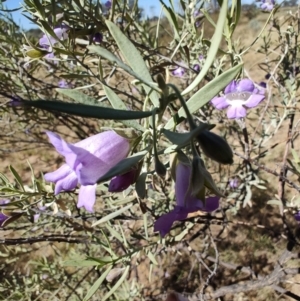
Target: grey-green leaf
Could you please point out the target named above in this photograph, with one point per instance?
(123, 166)
(133, 58)
(215, 42)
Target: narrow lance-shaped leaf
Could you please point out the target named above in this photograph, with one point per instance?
(133, 58)
(215, 42)
(205, 94)
(123, 166)
(112, 58)
(97, 284)
(86, 110)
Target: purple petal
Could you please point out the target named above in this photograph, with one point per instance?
(62, 148)
(235, 112)
(178, 72)
(219, 103)
(64, 178)
(164, 223)
(87, 197)
(211, 204)
(254, 100)
(245, 85)
(231, 87)
(98, 37)
(297, 216)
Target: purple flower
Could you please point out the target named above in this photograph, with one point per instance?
(178, 72)
(267, 5)
(86, 162)
(297, 216)
(185, 202)
(237, 96)
(196, 67)
(233, 183)
(122, 182)
(63, 84)
(98, 37)
(61, 34)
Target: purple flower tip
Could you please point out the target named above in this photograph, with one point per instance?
(196, 67)
(238, 96)
(3, 219)
(16, 102)
(98, 37)
(86, 162)
(297, 216)
(122, 182)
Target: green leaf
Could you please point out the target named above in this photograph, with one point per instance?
(17, 177)
(97, 284)
(111, 215)
(123, 166)
(215, 42)
(140, 185)
(133, 58)
(86, 110)
(112, 58)
(118, 283)
(182, 139)
(118, 104)
(169, 12)
(205, 94)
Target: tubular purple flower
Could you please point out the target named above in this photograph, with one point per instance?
(86, 162)
(185, 202)
(122, 182)
(237, 96)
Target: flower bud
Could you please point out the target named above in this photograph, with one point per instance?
(215, 147)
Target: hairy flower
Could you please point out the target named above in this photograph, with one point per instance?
(237, 97)
(267, 5)
(185, 202)
(86, 162)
